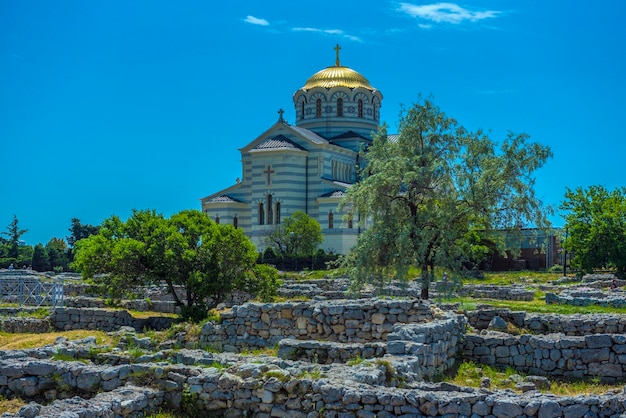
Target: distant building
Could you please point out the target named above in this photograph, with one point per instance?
(539, 250)
(307, 167)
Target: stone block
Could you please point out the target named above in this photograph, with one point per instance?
(598, 341)
(378, 319)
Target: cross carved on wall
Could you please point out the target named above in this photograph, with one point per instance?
(269, 172)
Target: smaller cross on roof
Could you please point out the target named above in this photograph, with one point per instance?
(280, 112)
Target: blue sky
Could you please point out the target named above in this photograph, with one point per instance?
(110, 106)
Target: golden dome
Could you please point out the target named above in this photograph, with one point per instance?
(337, 76)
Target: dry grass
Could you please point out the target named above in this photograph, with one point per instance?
(23, 341)
(470, 374)
(10, 405)
(147, 314)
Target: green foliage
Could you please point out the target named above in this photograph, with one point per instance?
(40, 260)
(431, 196)
(298, 235)
(596, 226)
(314, 374)
(358, 360)
(265, 282)
(79, 231)
(57, 254)
(14, 233)
(39, 313)
(207, 260)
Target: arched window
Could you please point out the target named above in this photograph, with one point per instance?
(360, 110)
(350, 223)
(302, 111)
(340, 107)
(318, 108)
(330, 220)
(261, 214)
(236, 222)
(269, 210)
(277, 213)
(217, 219)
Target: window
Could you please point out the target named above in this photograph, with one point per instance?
(360, 110)
(217, 219)
(330, 220)
(350, 223)
(277, 213)
(340, 107)
(236, 222)
(302, 111)
(318, 108)
(269, 210)
(261, 214)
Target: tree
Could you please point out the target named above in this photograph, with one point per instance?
(297, 235)
(57, 254)
(429, 191)
(596, 226)
(40, 261)
(189, 250)
(14, 233)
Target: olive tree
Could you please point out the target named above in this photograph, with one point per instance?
(208, 261)
(297, 235)
(595, 220)
(430, 192)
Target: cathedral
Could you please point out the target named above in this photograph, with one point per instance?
(307, 167)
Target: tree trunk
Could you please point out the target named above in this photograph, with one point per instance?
(425, 282)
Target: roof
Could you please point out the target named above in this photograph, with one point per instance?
(349, 135)
(224, 199)
(337, 76)
(278, 142)
(334, 193)
(310, 135)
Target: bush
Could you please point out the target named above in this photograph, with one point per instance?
(557, 268)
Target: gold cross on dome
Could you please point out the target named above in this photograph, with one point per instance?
(337, 49)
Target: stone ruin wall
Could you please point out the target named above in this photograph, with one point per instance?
(402, 331)
(250, 391)
(576, 324)
(340, 321)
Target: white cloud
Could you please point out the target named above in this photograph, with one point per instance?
(256, 21)
(446, 13)
(338, 32)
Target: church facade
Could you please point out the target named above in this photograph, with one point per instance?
(307, 167)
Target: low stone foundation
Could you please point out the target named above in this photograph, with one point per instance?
(265, 390)
(577, 324)
(65, 319)
(587, 297)
(558, 355)
(499, 292)
(346, 321)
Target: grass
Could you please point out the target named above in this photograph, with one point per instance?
(10, 341)
(39, 313)
(535, 306)
(148, 314)
(358, 360)
(314, 374)
(11, 405)
(470, 374)
(264, 351)
(506, 278)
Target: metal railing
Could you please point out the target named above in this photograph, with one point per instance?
(31, 292)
